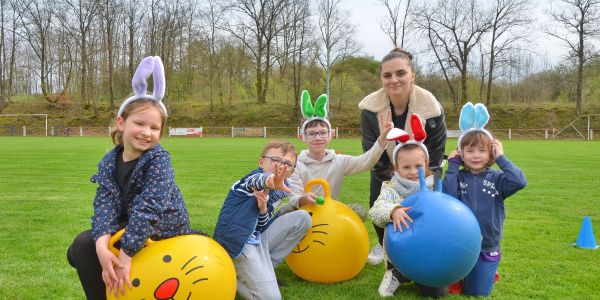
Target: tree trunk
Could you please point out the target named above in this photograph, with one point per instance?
(259, 78)
(109, 45)
(463, 77)
(2, 56)
(580, 65)
(82, 92)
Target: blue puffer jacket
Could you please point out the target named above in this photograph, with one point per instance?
(150, 207)
(484, 194)
(239, 216)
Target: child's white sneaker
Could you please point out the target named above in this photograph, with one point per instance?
(376, 255)
(389, 284)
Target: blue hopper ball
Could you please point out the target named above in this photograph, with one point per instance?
(443, 243)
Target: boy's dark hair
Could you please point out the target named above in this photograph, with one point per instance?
(315, 123)
(398, 53)
(135, 106)
(475, 138)
(285, 147)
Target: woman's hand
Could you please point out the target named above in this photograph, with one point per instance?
(399, 216)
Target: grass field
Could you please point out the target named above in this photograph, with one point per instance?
(46, 199)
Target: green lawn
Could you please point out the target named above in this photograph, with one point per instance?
(46, 199)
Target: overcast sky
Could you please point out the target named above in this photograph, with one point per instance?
(366, 15)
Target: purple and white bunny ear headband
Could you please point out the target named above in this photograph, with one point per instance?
(151, 65)
(473, 118)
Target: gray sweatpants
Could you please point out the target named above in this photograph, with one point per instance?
(255, 267)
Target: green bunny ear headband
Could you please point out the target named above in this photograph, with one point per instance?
(316, 112)
(320, 108)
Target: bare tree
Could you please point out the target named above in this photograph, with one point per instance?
(213, 22)
(395, 25)
(256, 28)
(300, 48)
(349, 48)
(36, 18)
(483, 72)
(236, 65)
(292, 47)
(84, 12)
(9, 55)
(456, 27)
(334, 28)
(170, 31)
(581, 20)
(64, 60)
(133, 19)
(509, 16)
(109, 13)
(2, 54)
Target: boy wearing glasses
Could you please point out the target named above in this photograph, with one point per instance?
(256, 238)
(319, 162)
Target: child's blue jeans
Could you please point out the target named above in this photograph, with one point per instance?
(480, 281)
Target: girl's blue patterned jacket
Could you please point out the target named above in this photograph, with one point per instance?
(152, 204)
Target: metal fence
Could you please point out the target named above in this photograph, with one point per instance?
(293, 132)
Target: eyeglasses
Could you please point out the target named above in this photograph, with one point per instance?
(314, 134)
(278, 160)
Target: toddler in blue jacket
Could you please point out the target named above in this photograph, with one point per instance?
(483, 190)
(256, 238)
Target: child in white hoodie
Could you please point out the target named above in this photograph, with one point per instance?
(319, 162)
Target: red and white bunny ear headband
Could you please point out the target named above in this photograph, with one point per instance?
(151, 65)
(403, 138)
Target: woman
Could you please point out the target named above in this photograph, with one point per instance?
(399, 97)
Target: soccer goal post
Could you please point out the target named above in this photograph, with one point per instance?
(20, 124)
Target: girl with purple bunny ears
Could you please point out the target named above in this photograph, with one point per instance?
(136, 191)
(151, 65)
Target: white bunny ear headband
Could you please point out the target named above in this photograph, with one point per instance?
(151, 65)
(316, 112)
(403, 138)
(473, 118)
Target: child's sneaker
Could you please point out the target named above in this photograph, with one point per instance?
(376, 255)
(455, 288)
(389, 284)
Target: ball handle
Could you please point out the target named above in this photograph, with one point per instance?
(322, 182)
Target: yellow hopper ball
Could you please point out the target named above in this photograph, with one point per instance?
(336, 247)
(182, 267)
